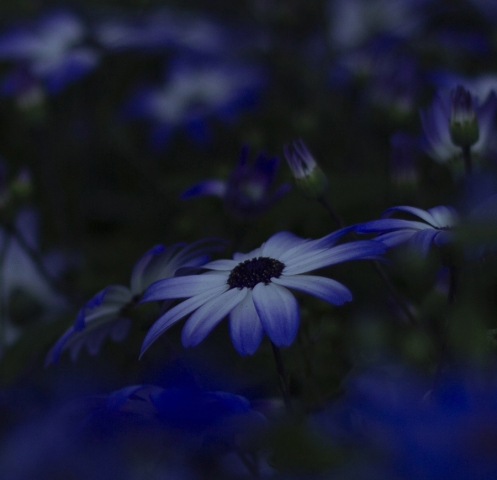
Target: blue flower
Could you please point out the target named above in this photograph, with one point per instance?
(434, 227)
(436, 121)
(393, 425)
(23, 269)
(253, 290)
(105, 314)
(246, 192)
(52, 50)
(193, 92)
(164, 29)
(309, 178)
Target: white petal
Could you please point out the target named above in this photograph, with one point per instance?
(183, 287)
(330, 256)
(177, 313)
(245, 326)
(327, 289)
(278, 311)
(199, 325)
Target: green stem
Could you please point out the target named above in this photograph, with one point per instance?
(377, 267)
(466, 156)
(280, 368)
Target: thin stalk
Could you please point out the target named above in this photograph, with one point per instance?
(331, 212)
(377, 267)
(280, 368)
(451, 298)
(466, 156)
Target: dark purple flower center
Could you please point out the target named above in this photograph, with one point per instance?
(249, 273)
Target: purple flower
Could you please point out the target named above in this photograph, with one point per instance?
(445, 110)
(434, 227)
(253, 290)
(105, 314)
(246, 193)
(192, 93)
(51, 50)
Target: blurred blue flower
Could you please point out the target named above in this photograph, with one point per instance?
(51, 50)
(352, 23)
(392, 423)
(246, 192)
(434, 227)
(23, 269)
(167, 29)
(253, 289)
(106, 314)
(436, 121)
(192, 93)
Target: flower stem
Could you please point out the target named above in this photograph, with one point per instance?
(451, 298)
(394, 292)
(280, 368)
(377, 267)
(466, 155)
(334, 215)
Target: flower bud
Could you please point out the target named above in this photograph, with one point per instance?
(463, 125)
(309, 178)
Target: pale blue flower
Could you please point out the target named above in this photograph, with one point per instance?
(105, 314)
(252, 289)
(192, 93)
(51, 50)
(246, 194)
(433, 226)
(436, 121)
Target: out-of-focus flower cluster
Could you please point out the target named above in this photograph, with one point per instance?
(119, 123)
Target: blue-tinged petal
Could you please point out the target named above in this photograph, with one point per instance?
(486, 117)
(280, 243)
(444, 216)
(18, 44)
(177, 313)
(392, 239)
(72, 67)
(216, 188)
(184, 287)
(341, 253)
(421, 241)
(387, 224)
(423, 214)
(221, 265)
(140, 266)
(245, 326)
(203, 320)
(324, 288)
(177, 257)
(91, 336)
(278, 311)
(331, 239)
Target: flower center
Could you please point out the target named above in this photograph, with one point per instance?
(256, 270)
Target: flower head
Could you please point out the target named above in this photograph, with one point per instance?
(192, 93)
(463, 125)
(253, 290)
(456, 118)
(52, 49)
(106, 313)
(308, 176)
(246, 193)
(434, 227)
